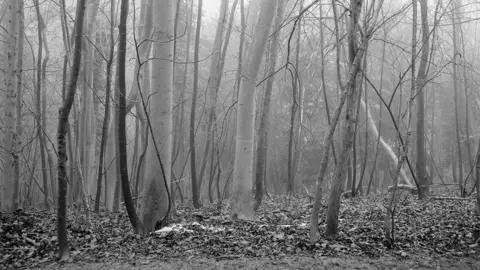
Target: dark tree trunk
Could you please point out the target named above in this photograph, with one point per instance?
(122, 136)
(64, 251)
(106, 118)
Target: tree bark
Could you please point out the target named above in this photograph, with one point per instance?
(121, 127)
(421, 82)
(262, 145)
(242, 184)
(7, 201)
(193, 173)
(155, 201)
(456, 53)
(106, 117)
(38, 103)
(19, 100)
(63, 113)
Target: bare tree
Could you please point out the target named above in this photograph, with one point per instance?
(421, 81)
(63, 113)
(121, 127)
(242, 184)
(193, 172)
(262, 145)
(8, 180)
(155, 203)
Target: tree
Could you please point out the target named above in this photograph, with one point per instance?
(10, 116)
(213, 84)
(63, 113)
(106, 118)
(456, 86)
(349, 121)
(347, 90)
(155, 201)
(19, 89)
(88, 132)
(262, 145)
(38, 103)
(421, 81)
(193, 172)
(243, 166)
(121, 128)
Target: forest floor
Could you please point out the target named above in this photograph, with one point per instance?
(429, 234)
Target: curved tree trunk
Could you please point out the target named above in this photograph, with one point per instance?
(121, 127)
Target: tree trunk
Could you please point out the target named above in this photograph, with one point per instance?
(63, 113)
(421, 82)
(291, 168)
(121, 127)
(87, 119)
(7, 201)
(193, 173)
(242, 180)
(38, 103)
(106, 117)
(349, 122)
(262, 145)
(213, 86)
(179, 121)
(156, 198)
(456, 90)
(19, 100)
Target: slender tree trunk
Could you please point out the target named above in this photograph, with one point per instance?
(179, 145)
(64, 251)
(38, 103)
(262, 145)
(322, 75)
(106, 117)
(389, 228)
(349, 122)
(432, 138)
(293, 113)
(213, 86)
(121, 127)
(421, 82)
(377, 144)
(7, 201)
(193, 173)
(19, 100)
(455, 98)
(242, 180)
(465, 87)
(346, 90)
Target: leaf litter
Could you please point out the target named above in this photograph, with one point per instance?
(423, 229)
